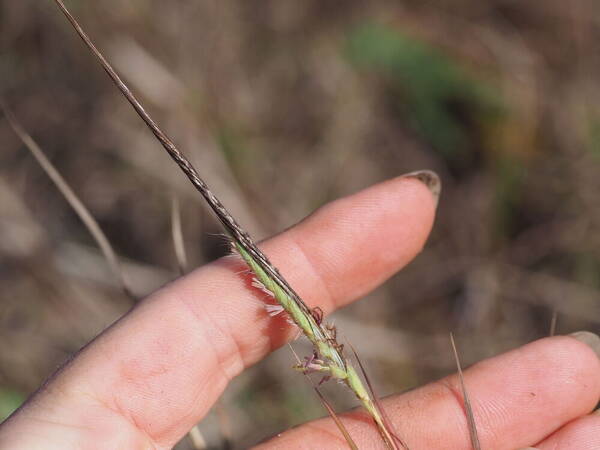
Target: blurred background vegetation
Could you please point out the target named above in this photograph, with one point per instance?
(285, 105)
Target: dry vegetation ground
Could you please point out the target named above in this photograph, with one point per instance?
(284, 105)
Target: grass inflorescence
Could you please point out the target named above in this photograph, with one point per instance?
(328, 355)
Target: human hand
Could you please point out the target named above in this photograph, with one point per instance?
(151, 376)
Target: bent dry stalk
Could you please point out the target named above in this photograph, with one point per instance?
(328, 357)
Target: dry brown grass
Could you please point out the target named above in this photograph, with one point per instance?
(262, 89)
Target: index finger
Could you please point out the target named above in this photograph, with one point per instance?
(156, 372)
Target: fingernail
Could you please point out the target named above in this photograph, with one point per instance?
(430, 179)
(590, 339)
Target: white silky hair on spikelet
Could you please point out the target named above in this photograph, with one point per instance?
(258, 284)
(274, 310)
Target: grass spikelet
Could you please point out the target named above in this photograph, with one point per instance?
(80, 209)
(469, 410)
(330, 359)
(336, 419)
(328, 351)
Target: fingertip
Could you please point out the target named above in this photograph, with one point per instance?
(577, 355)
(430, 179)
(360, 240)
(566, 370)
(591, 340)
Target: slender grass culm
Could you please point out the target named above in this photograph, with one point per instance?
(473, 434)
(73, 200)
(328, 356)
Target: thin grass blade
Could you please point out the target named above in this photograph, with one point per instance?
(338, 422)
(196, 437)
(80, 209)
(177, 235)
(375, 397)
(470, 417)
(336, 419)
(198, 441)
(553, 322)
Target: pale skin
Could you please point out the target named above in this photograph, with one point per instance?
(145, 381)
